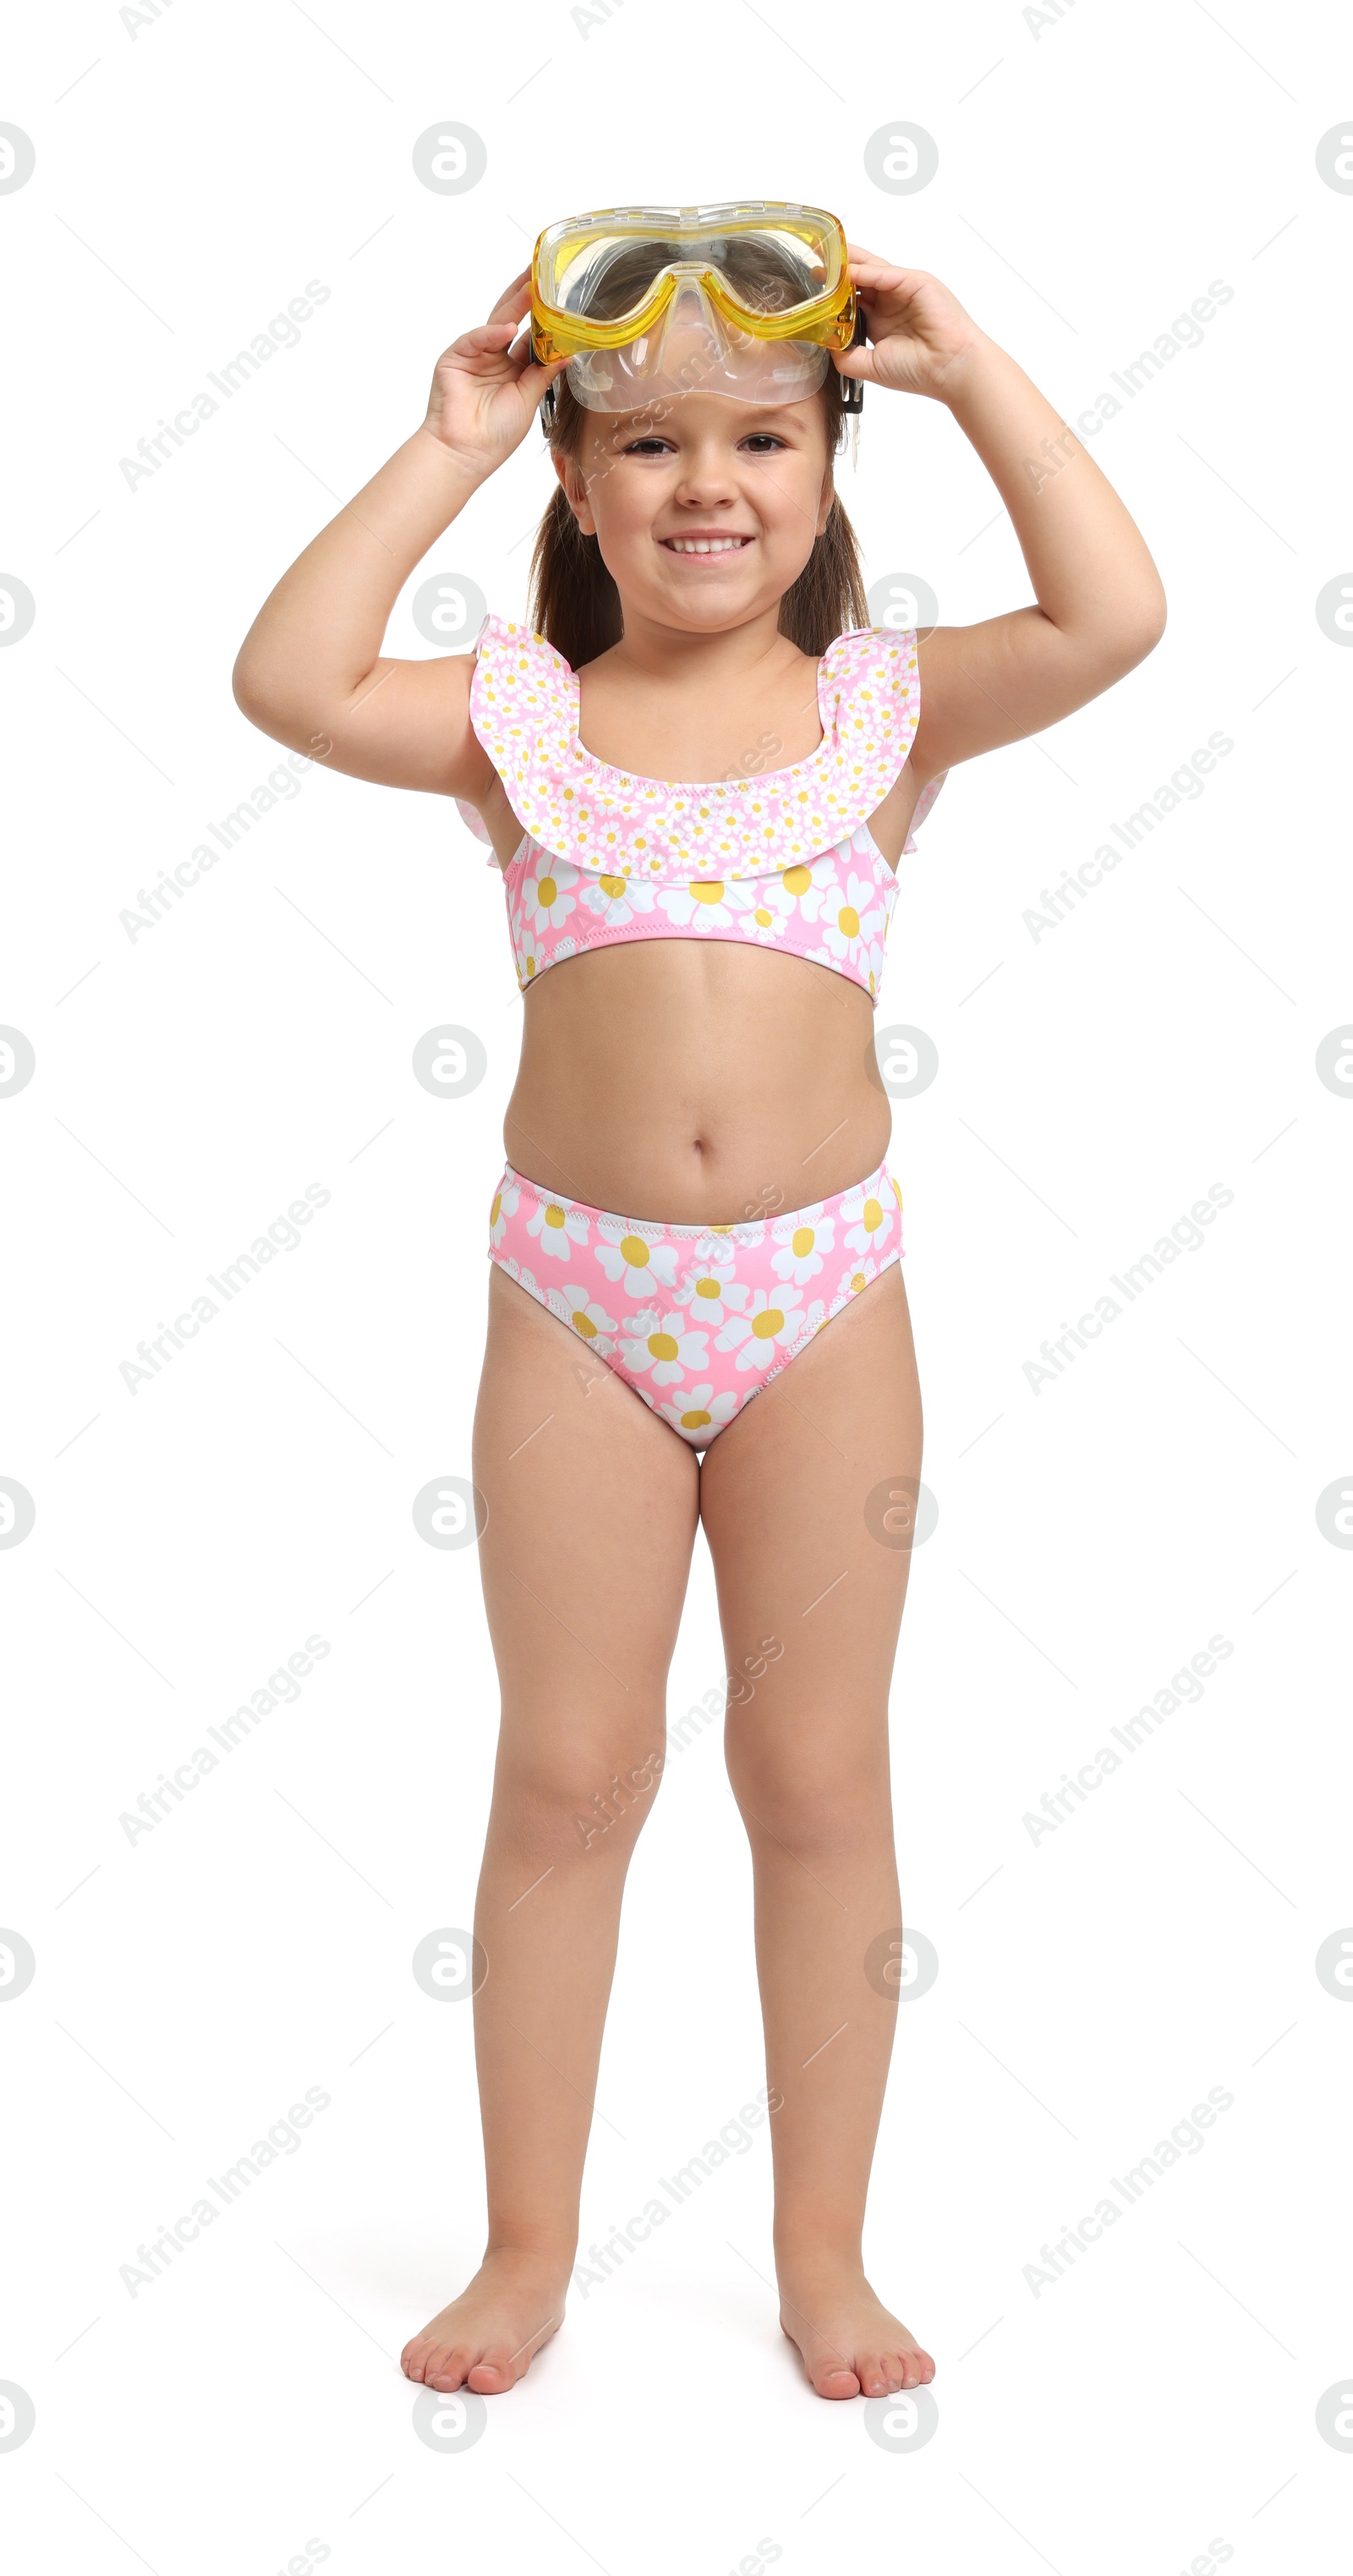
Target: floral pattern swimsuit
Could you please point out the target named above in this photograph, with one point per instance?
(697, 1318)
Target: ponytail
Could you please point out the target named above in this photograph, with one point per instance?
(574, 602)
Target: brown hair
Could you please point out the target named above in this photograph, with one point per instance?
(574, 602)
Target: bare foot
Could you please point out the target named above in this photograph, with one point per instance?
(851, 2346)
(488, 2337)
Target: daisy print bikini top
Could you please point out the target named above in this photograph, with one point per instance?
(786, 860)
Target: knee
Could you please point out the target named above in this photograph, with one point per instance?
(581, 1796)
(817, 1796)
(611, 1813)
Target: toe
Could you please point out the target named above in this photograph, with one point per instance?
(493, 2373)
(832, 2379)
(446, 2368)
(875, 2375)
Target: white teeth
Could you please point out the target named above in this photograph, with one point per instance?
(704, 545)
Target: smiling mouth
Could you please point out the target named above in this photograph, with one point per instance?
(704, 545)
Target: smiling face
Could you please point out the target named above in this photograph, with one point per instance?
(705, 510)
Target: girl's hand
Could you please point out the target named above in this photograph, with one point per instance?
(485, 390)
(919, 333)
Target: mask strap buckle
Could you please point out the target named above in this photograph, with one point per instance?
(852, 389)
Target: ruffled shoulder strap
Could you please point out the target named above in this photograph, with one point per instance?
(522, 698)
(869, 695)
(524, 706)
(884, 690)
(507, 704)
(877, 670)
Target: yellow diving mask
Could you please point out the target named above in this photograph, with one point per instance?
(650, 302)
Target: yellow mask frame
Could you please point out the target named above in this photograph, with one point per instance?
(570, 255)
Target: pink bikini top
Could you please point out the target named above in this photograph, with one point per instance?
(785, 860)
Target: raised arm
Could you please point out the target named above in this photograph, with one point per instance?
(1101, 606)
(310, 671)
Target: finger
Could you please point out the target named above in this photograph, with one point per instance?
(866, 263)
(877, 259)
(481, 350)
(532, 379)
(858, 363)
(881, 285)
(514, 299)
(519, 353)
(880, 271)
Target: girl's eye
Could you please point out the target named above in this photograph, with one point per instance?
(760, 441)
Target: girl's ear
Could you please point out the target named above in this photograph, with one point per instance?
(575, 491)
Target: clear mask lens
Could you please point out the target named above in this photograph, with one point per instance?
(691, 349)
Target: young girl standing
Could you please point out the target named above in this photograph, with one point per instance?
(696, 1305)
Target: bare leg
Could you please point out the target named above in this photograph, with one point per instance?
(783, 1499)
(593, 1504)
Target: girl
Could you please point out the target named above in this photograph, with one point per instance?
(696, 1308)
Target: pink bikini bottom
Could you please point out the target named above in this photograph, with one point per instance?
(696, 1318)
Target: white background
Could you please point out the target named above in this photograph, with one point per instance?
(1096, 173)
